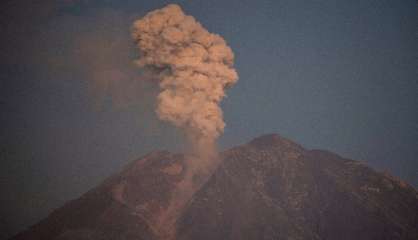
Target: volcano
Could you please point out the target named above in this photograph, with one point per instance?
(269, 188)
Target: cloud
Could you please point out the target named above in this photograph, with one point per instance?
(193, 69)
(193, 66)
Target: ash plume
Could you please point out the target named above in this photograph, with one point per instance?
(193, 67)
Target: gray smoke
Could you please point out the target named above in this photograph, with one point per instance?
(193, 66)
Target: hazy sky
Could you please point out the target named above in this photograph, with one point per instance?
(331, 74)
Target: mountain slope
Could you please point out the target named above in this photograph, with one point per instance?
(270, 188)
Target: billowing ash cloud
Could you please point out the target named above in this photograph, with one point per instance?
(193, 66)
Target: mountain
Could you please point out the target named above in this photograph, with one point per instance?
(269, 188)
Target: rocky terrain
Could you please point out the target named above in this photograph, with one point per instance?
(270, 188)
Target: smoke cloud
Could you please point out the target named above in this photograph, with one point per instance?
(193, 67)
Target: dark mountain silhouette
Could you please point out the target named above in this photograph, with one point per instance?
(270, 188)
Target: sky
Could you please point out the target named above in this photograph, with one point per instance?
(335, 75)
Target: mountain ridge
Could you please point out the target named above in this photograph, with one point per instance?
(268, 188)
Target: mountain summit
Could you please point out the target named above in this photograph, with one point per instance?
(269, 188)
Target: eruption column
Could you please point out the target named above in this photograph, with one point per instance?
(193, 68)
